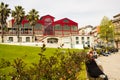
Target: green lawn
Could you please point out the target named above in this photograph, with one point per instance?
(28, 54)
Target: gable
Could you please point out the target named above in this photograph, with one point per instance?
(66, 21)
(43, 18)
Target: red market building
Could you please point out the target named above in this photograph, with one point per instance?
(47, 26)
(52, 32)
(46, 29)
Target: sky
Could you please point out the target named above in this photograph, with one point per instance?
(84, 12)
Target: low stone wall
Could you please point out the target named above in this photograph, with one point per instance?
(25, 44)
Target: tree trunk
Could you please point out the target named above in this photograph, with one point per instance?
(33, 34)
(106, 41)
(18, 33)
(2, 33)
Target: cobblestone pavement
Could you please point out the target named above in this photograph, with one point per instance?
(111, 65)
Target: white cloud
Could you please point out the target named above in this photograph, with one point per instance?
(82, 11)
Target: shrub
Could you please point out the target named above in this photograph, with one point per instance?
(4, 63)
(63, 65)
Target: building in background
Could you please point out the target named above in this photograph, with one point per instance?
(116, 22)
(96, 37)
(86, 37)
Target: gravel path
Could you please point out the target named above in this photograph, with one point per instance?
(111, 65)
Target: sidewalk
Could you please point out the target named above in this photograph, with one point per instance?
(111, 65)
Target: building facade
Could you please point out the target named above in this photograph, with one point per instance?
(116, 22)
(46, 30)
(53, 33)
(85, 33)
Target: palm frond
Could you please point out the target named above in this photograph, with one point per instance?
(18, 14)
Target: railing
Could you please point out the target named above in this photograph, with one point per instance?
(15, 33)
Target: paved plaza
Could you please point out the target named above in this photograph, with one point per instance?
(111, 65)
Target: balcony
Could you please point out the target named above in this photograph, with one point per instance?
(15, 33)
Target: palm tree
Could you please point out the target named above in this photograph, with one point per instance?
(32, 17)
(4, 14)
(18, 14)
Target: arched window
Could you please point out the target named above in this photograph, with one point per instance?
(38, 27)
(74, 28)
(15, 25)
(58, 27)
(66, 27)
(27, 25)
(52, 40)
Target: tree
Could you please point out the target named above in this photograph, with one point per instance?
(32, 18)
(106, 30)
(4, 14)
(18, 15)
